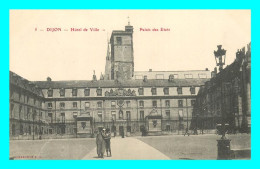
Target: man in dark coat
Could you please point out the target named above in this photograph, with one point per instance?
(100, 143)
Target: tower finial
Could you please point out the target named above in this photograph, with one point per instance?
(128, 20)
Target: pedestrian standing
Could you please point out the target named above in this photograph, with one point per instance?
(107, 140)
(100, 143)
(187, 132)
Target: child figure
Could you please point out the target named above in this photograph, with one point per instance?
(107, 140)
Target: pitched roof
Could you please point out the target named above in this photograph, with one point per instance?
(113, 83)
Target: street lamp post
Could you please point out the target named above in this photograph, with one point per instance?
(223, 143)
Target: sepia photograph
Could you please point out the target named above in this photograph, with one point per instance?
(130, 85)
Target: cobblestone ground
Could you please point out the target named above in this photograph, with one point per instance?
(152, 147)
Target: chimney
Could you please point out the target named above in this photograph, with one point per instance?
(150, 70)
(145, 78)
(48, 79)
(207, 69)
(102, 76)
(94, 78)
(213, 73)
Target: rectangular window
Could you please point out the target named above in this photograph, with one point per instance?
(50, 93)
(100, 116)
(49, 105)
(50, 116)
(128, 115)
(28, 113)
(128, 104)
(99, 104)
(62, 92)
(142, 115)
(168, 115)
(74, 92)
(179, 90)
(62, 117)
(141, 91)
(166, 91)
(154, 91)
(119, 40)
(20, 111)
(75, 105)
(141, 103)
(180, 103)
(113, 104)
(192, 90)
(62, 105)
(87, 105)
(167, 103)
(113, 113)
(180, 115)
(192, 102)
(87, 92)
(99, 92)
(154, 103)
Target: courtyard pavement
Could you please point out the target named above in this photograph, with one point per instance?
(135, 148)
(129, 148)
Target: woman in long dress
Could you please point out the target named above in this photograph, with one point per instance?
(100, 143)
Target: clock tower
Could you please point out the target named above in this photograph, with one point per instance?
(122, 58)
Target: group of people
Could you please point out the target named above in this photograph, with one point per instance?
(103, 142)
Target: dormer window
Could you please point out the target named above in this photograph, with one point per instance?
(171, 78)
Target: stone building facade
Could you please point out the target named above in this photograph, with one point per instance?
(27, 112)
(226, 96)
(118, 101)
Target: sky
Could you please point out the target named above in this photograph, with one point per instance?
(193, 35)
